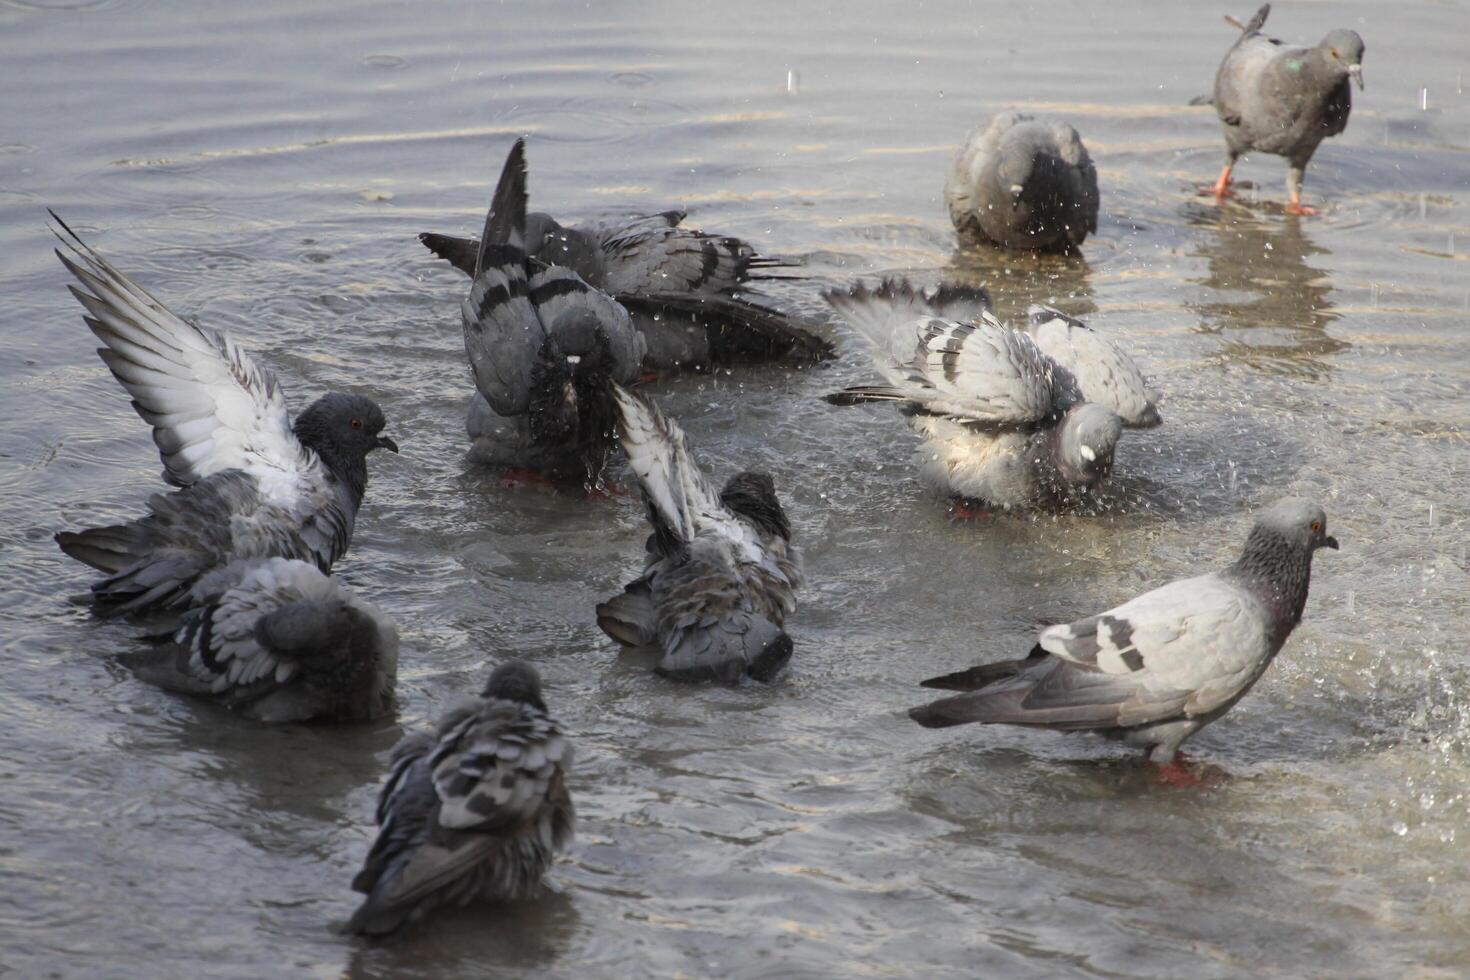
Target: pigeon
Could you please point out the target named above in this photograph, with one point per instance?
(250, 484)
(687, 290)
(1023, 183)
(542, 346)
(475, 812)
(721, 575)
(1284, 99)
(1160, 667)
(1105, 375)
(1004, 423)
(280, 641)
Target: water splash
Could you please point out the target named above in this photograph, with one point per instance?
(793, 82)
(1424, 99)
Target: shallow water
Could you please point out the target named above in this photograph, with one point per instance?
(265, 166)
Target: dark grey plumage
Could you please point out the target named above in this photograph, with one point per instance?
(1025, 183)
(1158, 668)
(1284, 99)
(251, 484)
(542, 346)
(279, 641)
(1003, 422)
(476, 812)
(721, 575)
(690, 293)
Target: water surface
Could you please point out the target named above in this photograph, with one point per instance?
(265, 167)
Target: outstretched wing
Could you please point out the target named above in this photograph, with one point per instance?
(502, 334)
(1105, 374)
(211, 406)
(680, 501)
(648, 261)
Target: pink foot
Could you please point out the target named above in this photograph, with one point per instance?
(647, 377)
(515, 478)
(1184, 773)
(964, 510)
(605, 491)
(1298, 208)
(1221, 190)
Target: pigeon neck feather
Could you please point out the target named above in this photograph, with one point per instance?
(1279, 572)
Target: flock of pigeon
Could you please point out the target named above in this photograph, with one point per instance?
(560, 326)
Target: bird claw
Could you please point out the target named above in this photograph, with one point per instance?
(964, 510)
(604, 491)
(1185, 773)
(1298, 208)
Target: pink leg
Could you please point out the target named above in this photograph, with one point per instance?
(1221, 190)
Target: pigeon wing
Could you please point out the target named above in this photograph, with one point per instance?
(680, 501)
(1105, 374)
(211, 406)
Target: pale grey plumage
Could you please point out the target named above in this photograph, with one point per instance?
(542, 346)
(476, 812)
(1158, 668)
(690, 293)
(1003, 422)
(1284, 99)
(252, 484)
(721, 575)
(279, 641)
(1105, 375)
(1025, 183)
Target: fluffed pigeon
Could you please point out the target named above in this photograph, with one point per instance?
(251, 484)
(1105, 375)
(1004, 423)
(542, 345)
(722, 573)
(475, 812)
(1023, 183)
(1284, 99)
(688, 291)
(280, 641)
(1160, 667)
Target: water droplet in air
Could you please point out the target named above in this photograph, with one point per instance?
(1400, 828)
(1423, 99)
(793, 82)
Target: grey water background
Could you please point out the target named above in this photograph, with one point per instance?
(265, 168)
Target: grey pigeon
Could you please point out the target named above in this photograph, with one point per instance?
(689, 292)
(1023, 183)
(542, 345)
(1003, 422)
(722, 573)
(1284, 99)
(1105, 375)
(475, 812)
(1160, 667)
(252, 485)
(279, 641)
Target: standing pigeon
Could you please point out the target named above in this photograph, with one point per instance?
(1160, 667)
(542, 345)
(1004, 423)
(1284, 99)
(683, 287)
(252, 485)
(1105, 375)
(280, 641)
(475, 812)
(1023, 183)
(722, 573)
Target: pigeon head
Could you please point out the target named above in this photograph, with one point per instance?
(343, 429)
(1087, 437)
(1299, 522)
(753, 497)
(548, 242)
(516, 681)
(540, 228)
(1344, 52)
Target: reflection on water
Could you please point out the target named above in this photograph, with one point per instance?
(1275, 313)
(1017, 280)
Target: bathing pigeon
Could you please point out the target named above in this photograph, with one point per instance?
(1160, 667)
(1003, 422)
(252, 485)
(280, 641)
(688, 291)
(1023, 183)
(722, 573)
(542, 346)
(475, 812)
(1105, 375)
(1284, 99)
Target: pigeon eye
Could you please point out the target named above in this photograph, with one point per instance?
(357, 423)
(1335, 54)
(1316, 526)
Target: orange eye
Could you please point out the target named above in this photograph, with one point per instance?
(1335, 54)
(1316, 526)
(357, 424)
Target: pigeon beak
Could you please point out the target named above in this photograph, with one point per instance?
(1016, 189)
(1356, 71)
(1088, 454)
(1330, 542)
(385, 443)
